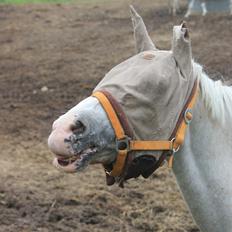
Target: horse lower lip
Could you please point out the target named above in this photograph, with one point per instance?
(66, 161)
(74, 163)
(65, 165)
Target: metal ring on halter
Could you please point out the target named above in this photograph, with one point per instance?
(107, 172)
(174, 150)
(123, 144)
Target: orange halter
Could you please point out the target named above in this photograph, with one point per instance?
(125, 144)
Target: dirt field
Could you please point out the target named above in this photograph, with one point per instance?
(51, 56)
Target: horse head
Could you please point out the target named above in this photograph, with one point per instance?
(150, 88)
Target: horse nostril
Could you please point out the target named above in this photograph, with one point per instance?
(78, 127)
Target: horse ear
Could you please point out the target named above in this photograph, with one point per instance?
(142, 39)
(181, 48)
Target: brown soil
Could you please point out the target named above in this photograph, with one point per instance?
(68, 48)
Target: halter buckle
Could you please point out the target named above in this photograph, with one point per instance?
(188, 116)
(123, 144)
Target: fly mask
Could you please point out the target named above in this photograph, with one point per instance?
(154, 89)
(126, 166)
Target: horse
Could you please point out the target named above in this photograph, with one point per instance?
(174, 7)
(149, 91)
(191, 6)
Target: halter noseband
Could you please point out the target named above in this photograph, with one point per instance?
(124, 136)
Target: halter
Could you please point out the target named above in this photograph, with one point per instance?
(125, 143)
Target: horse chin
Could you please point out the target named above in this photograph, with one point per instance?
(75, 163)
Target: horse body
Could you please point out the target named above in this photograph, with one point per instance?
(203, 166)
(152, 88)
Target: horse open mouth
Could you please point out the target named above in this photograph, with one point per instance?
(74, 163)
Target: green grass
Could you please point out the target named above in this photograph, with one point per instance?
(47, 1)
(31, 1)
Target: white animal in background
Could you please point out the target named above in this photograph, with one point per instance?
(174, 6)
(191, 5)
(231, 7)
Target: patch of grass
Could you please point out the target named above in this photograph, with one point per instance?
(49, 1)
(31, 1)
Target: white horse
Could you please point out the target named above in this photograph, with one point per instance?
(152, 88)
(191, 5)
(174, 6)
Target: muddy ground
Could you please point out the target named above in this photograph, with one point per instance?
(65, 50)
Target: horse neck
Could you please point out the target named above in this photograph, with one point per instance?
(203, 165)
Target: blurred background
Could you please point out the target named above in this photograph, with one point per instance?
(52, 54)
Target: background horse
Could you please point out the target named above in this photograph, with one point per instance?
(174, 6)
(191, 6)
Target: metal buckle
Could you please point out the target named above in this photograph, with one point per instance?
(172, 148)
(107, 172)
(187, 121)
(123, 144)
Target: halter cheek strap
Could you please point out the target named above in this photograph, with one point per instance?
(124, 142)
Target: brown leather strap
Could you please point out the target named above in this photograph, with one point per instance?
(189, 104)
(151, 145)
(119, 164)
(184, 119)
(112, 116)
(120, 113)
(127, 130)
(119, 133)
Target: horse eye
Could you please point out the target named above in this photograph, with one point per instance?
(78, 127)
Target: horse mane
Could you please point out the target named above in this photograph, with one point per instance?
(216, 95)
